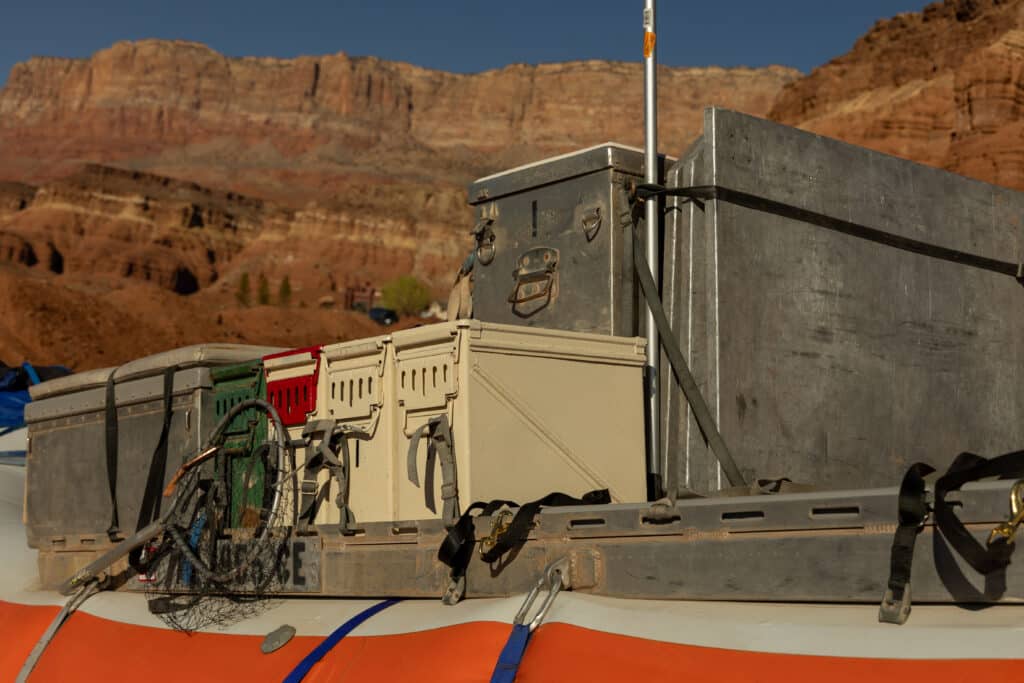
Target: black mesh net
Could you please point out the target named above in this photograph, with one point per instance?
(222, 555)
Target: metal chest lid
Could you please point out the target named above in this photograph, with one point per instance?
(80, 381)
(198, 355)
(607, 155)
(522, 340)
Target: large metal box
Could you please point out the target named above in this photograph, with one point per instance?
(67, 503)
(838, 358)
(555, 248)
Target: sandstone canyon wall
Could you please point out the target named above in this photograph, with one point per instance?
(156, 173)
(943, 87)
(137, 186)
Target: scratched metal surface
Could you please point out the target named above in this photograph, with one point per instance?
(828, 358)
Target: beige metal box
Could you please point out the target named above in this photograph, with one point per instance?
(531, 411)
(354, 392)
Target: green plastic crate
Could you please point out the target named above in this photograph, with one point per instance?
(232, 385)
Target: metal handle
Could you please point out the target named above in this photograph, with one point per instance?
(547, 277)
(538, 265)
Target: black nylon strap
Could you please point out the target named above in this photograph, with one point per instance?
(912, 512)
(519, 530)
(752, 201)
(111, 443)
(149, 509)
(970, 467)
(457, 547)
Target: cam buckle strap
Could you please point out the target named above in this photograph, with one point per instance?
(518, 530)
(966, 468)
(912, 513)
(439, 447)
(324, 455)
(914, 510)
(457, 547)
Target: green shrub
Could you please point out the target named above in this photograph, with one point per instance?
(243, 294)
(405, 295)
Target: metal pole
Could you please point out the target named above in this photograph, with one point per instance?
(651, 241)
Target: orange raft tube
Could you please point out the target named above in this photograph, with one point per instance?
(113, 637)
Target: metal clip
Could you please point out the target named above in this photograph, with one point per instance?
(502, 521)
(1006, 531)
(484, 240)
(554, 579)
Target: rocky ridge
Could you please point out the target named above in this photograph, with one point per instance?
(151, 176)
(167, 170)
(943, 87)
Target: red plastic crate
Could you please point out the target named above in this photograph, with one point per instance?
(294, 397)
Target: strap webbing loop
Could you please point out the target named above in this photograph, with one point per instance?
(913, 511)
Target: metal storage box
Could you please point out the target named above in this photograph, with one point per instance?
(68, 503)
(531, 411)
(554, 243)
(838, 358)
(356, 391)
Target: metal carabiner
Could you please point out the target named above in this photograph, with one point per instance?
(502, 521)
(1006, 531)
(554, 579)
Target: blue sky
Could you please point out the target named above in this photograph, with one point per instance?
(459, 35)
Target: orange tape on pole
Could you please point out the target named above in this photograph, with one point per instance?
(649, 40)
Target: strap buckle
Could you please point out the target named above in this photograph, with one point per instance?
(554, 579)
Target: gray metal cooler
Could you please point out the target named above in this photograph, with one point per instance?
(554, 243)
(68, 505)
(838, 356)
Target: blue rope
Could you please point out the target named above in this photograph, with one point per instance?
(321, 650)
(511, 655)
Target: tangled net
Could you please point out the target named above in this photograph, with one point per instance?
(221, 556)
